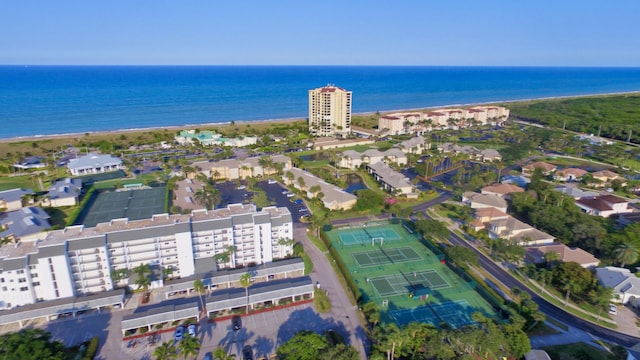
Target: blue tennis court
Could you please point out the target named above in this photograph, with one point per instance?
(455, 313)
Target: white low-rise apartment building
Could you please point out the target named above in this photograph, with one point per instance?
(94, 164)
(78, 260)
(421, 122)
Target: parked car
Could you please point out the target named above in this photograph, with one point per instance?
(613, 310)
(191, 330)
(247, 353)
(236, 322)
(179, 333)
(241, 187)
(298, 201)
(290, 194)
(271, 181)
(207, 356)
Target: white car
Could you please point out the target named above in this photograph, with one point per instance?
(191, 330)
(613, 310)
(271, 182)
(291, 194)
(241, 187)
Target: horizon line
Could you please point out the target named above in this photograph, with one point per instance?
(322, 65)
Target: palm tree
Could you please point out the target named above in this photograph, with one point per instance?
(166, 351)
(552, 257)
(221, 354)
(245, 282)
(142, 280)
(626, 254)
(199, 287)
(207, 197)
(189, 346)
(570, 286)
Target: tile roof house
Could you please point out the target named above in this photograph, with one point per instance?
(605, 177)
(625, 285)
(25, 224)
(334, 197)
(569, 174)
(531, 168)
(477, 201)
(11, 200)
(94, 164)
(518, 232)
(502, 190)
(482, 216)
(391, 180)
(603, 205)
(64, 193)
(536, 254)
(490, 155)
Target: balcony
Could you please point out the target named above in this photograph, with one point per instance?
(140, 249)
(141, 257)
(93, 275)
(141, 242)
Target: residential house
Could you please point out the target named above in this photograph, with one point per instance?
(535, 254)
(605, 177)
(64, 192)
(11, 200)
(546, 168)
(575, 192)
(477, 201)
(392, 181)
(604, 205)
(334, 198)
(415, 145)
(569, 174)
(502, 190)
(519, 180)
(625, 285)
(26, 224)
(352, 159)
(483, 216)
(31, 162)
(518, 232)
(628, 219)
(94, 164)
(489, 155)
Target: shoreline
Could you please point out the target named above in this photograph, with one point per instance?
(38, 137)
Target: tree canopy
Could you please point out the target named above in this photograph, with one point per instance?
(30, 344)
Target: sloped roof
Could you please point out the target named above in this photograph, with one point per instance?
(503, 189)
(567, 254)
(14, 194)
(23, 222)
(619, 279)
(540, 164)
(489, 200)
(575, 192)
(577, 172)
(66, 188)
(93, 160)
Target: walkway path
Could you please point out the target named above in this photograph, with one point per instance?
(342, 310)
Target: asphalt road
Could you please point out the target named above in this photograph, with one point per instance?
(546, 307)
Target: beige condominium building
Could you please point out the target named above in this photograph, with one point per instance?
(329, 111)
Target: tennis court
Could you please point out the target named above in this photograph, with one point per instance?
(455, 313)
(132, 204)
(398, 284)
(407, 277)
(357, 236)
(388, 256)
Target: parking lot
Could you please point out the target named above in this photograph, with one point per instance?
(278, 194)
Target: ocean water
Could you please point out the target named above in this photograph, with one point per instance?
(45, 100)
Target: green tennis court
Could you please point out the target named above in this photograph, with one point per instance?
(357, 236)
(132, 204)
(388, 256)
(455, 313)
(398, 284)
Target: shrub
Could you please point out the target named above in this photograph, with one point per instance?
(92, 348)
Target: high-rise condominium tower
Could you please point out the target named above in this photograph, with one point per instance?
(329, 111)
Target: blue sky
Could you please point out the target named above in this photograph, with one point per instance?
(329, 32)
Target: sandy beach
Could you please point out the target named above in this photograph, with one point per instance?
(213, 126)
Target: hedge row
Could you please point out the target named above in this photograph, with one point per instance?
(73, 216)
(92, 348)
(343, 268)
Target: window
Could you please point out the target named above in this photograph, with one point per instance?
(34, 275)
(1, 280)
(20, 271)
(37, 283)
(24, 288)
(21, 280)
(4, 288)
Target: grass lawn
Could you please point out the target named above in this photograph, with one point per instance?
(24, 182)
(576, 351)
